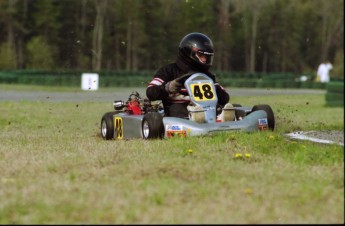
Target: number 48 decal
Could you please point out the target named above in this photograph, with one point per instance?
(202, 91)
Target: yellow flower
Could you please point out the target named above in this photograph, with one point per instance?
(271, 137)
(189, 151)
(248, 155)
(238, 155)
(248, 191)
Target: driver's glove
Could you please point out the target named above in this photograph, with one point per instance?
(173, 86)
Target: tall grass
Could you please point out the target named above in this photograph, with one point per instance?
(56, 169)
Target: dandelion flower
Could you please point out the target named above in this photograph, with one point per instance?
(238, 155)
(189, 151)
(248, 191)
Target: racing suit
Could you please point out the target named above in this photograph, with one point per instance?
(175, 105)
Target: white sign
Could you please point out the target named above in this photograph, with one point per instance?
(89, 81)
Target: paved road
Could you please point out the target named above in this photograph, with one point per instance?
(122, 94)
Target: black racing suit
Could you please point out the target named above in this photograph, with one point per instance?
(175, 105)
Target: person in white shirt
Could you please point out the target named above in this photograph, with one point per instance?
(323, 72)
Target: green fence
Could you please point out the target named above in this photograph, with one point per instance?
(142, 78)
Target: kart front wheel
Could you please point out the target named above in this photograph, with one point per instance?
(107, 126)
(269, 112)
(152, 126)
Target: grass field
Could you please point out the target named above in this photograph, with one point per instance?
(56, 169)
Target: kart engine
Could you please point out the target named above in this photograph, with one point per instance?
(135, 105)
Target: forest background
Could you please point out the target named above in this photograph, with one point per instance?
(133, 35)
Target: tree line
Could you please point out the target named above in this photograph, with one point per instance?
(248, 35)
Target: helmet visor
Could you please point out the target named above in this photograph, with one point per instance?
(202, 57)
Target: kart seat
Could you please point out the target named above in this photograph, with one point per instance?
(228, 113)
(196, 113)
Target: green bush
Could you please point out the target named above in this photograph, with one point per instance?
(41, 55)
(7, 57)
(336, 87)
(335, 94)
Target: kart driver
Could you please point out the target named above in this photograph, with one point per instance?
(195, 55)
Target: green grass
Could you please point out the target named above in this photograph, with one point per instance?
(56, 169)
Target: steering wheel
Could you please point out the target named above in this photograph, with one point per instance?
(184, 77)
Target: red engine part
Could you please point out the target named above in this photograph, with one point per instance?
(133, 107)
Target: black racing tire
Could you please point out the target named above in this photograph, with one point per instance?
(236, 105)
(107, 125)
(152, 126)
(269, 112)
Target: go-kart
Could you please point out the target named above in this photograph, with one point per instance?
(142, 118)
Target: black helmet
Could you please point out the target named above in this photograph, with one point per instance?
(197, 48)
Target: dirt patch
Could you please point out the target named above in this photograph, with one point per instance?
(327, 137)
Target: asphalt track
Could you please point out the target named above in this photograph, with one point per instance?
(123, 94)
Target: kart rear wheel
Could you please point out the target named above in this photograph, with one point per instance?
(269, 112)
(152, 126)
(107, 126)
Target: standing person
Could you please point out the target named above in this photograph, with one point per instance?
(195, 54)
(323, 71)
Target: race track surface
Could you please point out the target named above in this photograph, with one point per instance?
(123, 94)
